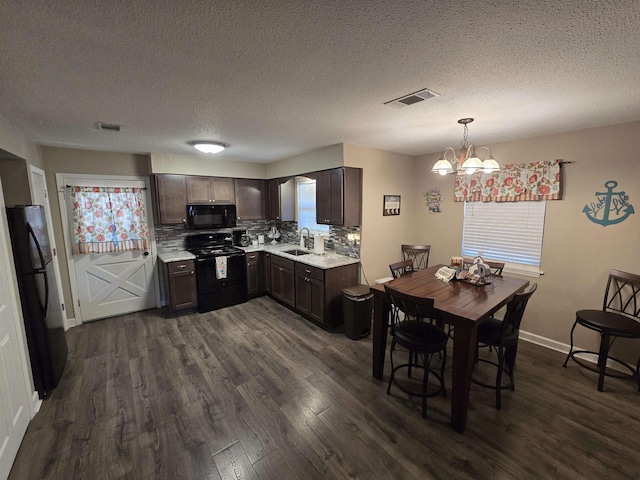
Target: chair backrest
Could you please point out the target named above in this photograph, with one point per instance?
(623, 293)
(515, 311)
(419, 254)
(496, 267)
(405, 307)
(398, 269)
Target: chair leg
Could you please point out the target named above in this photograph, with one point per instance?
(499, 378)
(425, 381)
(444, 361)
(411, 362)
(393, 344)
(510, 356)
(602, 359)
(571, 347)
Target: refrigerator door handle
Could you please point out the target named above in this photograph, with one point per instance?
(35, 241)
(41, 270)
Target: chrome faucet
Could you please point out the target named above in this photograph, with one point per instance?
(303, 242)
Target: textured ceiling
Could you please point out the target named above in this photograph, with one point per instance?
(273, 78)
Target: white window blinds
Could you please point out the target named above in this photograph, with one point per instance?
(509, 232)
(307, 207)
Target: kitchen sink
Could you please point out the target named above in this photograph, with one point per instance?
(297, 252)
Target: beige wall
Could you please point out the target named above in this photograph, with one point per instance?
(384, 173)
(17, 189)
(205, 165)
(320, 159)
(67, 160)
(14, 141)
(577, 253)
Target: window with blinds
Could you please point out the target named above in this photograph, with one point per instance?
(509, 232)
(306, 205)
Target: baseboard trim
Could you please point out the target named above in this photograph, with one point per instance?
(71, 322)
(36, 403)
(564, 348)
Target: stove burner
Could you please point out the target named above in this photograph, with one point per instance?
(211, 245)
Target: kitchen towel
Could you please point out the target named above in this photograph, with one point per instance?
(221, 267)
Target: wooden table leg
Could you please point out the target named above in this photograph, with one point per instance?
(380, 316)
(464, 345)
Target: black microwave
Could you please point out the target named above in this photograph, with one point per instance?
(202, 217)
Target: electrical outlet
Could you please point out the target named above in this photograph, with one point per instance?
(354, 238)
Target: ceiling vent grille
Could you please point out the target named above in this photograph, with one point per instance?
(109, 127)
(412, 98)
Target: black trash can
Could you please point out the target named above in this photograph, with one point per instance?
(358, 310)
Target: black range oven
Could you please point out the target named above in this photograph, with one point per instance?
(221, 270)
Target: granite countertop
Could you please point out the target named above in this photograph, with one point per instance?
(175, 256)
(330, 259)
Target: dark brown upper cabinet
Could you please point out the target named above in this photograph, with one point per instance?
(171, 191)
(339, 196)
(281, 199)
(250, 199)
(210, 190)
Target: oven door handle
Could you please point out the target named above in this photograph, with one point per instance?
(210, 259)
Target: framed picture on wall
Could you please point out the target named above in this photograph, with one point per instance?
(391, 205)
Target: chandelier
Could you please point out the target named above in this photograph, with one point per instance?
(467, 162)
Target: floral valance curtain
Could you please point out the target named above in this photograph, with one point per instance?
(108, 219)
(514, 183)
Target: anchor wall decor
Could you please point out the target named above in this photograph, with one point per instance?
(610, 208)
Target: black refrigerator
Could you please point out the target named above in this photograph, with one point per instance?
(41, 308)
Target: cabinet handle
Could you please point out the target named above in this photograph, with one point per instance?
(306, 279)
(181, 266)
(307, 271)
(280, 269)
(192, 272)
(252, 256)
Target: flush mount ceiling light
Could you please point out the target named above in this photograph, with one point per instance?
(208, 147)
(467, 162)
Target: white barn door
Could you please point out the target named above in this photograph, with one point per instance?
(110, 284)
(14, 397)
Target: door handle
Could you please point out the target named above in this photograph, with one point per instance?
(146, 254)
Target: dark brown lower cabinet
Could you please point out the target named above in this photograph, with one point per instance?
(282, 280)
(266, 268)
(255, 275)
(310, 292)
(182, 289)
(313, 292)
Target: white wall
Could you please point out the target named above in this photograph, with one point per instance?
(208, 165)
(320, 159)
(384, 173)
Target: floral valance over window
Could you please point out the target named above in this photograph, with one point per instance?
(107, 219)
(514, 183)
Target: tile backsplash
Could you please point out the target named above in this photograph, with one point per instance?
(171, 237)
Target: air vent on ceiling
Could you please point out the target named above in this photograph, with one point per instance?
(412, 98)
(109, 127)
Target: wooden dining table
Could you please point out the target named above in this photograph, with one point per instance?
(461, 304)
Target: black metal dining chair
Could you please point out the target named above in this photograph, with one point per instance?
(401, 268)
(503, 335)
(619, 318)
(416, 332)
(418, 254)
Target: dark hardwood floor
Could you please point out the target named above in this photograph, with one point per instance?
(256, 392)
